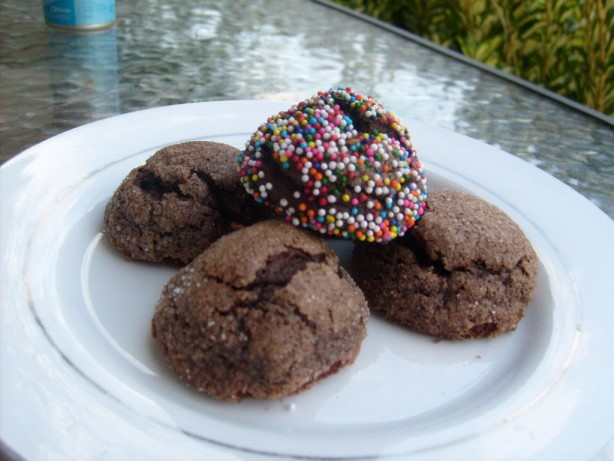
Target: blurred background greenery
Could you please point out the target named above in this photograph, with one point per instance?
(564, 46)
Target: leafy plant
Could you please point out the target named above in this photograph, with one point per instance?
(567, 47)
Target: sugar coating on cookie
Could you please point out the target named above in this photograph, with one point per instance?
(465, 271)
(337, 163)
(181, 200)
(264, 312)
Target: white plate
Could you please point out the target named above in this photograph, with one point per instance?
(81, 375)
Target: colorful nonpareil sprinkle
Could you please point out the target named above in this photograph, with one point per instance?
(337, 163)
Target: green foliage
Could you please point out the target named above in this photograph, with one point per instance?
(567, 47)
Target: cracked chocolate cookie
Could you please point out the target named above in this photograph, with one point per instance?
(264, 312)
(339, 164)
(181, 200)
(465, 271)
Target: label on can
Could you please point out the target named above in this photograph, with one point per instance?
(79, 14)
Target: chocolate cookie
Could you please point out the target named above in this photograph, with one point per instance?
(337, 163)
(264, 312)
(181, 200)
(465, 271)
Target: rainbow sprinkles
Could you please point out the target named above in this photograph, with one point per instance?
(337, 163)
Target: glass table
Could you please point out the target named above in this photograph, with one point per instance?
(162, 53)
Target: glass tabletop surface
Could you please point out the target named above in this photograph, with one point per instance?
(170, 52)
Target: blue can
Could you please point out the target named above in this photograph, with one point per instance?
(79, 14)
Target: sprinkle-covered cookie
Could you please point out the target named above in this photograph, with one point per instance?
(337, 163)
